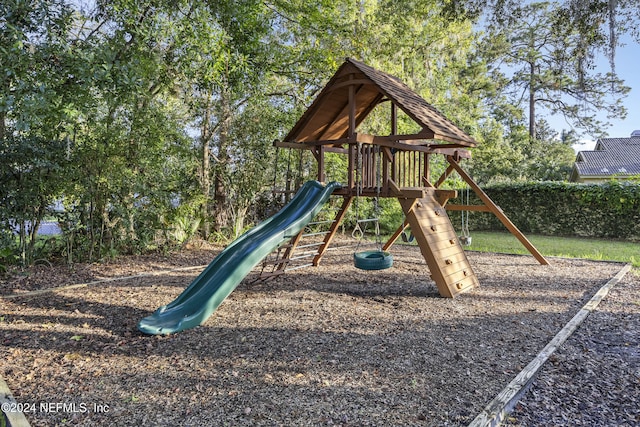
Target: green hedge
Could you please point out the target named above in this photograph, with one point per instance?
(610, 210)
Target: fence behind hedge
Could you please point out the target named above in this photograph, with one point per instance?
(609, 210)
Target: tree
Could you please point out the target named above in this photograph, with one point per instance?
(599, 22)
(36, 97)
(544, 63)
(223, 78)
(131, 155)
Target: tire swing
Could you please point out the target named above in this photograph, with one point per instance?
(371, 259)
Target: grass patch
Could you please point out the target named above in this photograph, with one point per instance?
(567, 247)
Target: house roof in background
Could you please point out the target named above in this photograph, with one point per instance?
(611, 156)
(328, 116)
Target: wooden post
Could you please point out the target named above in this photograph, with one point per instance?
(352, 111)
(352, 167)
(333, 229)
(320, 158)
(394, 119)
(444, 176)
(427, 172)
(498, 212)
(395, 235)
(385, 171)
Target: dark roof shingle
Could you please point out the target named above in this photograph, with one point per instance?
(611, 156)
(327, 118)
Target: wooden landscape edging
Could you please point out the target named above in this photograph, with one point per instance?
(15, 418)
(495, 412)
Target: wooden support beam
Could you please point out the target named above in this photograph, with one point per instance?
(384, 141)
(406, 193)
(394, 119)
(349, 108)
(310, 145)
(350, 82)
(282, 264)
(456, 152)
(393, 187)
(454, 140)
(498, 212)
(352, 112)
(426, 174)
(320, 161)
(395, 235)
(426, 183)
(332, 230)
(443, 196)
(351, 167)
(472, 208)
(444, 176)
(414, 139)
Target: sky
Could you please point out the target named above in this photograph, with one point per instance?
(627, 61)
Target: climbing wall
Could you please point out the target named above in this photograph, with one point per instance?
(439, 245)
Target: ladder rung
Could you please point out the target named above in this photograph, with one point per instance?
(309, 245)
(321, 233)
(307, 255)
(275, 261)
(297, 267)
(270, 274)
(328, 221)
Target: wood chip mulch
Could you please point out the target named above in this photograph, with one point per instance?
(594, 378)
(331, 345)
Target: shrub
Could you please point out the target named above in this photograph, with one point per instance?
(609, 210)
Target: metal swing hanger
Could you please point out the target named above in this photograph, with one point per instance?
(373, 259)
(465, 238)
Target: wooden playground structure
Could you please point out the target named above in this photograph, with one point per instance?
(394, 165)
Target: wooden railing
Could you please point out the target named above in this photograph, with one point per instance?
(375, 165)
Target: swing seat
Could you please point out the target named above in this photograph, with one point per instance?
(372, 260)
(407, 238)
(465, 240)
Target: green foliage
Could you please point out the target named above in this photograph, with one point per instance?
(147, 118)
(608, 210)
(543, 64)
(517, 157)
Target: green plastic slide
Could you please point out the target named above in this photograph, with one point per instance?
(203, 296)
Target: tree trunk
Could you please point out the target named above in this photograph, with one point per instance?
(3, 119)
(220, 191)
(3, 114)
(205, 177)
(532, 101)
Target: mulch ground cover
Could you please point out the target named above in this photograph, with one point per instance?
(331, 345)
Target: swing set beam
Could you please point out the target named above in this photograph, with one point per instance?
(490, 206)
